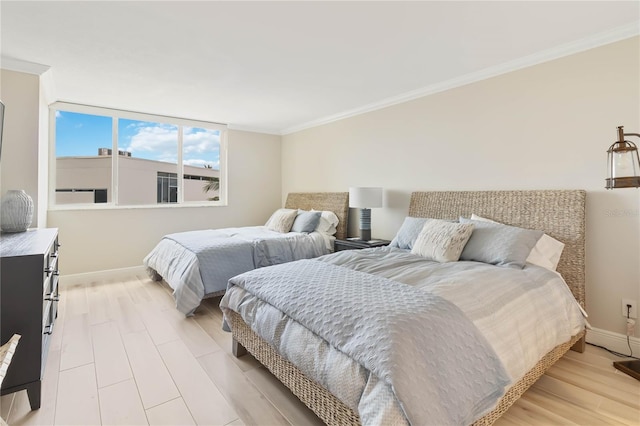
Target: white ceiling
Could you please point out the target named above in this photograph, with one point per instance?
(278, 67)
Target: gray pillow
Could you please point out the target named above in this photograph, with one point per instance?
(499, 244)
(408, 232)
(306, 222)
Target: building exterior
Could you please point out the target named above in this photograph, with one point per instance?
(140, 181)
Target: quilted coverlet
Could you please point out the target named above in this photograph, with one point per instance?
(417, 345)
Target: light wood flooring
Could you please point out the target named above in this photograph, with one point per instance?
(122, 354)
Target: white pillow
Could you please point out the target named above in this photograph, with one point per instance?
(281, 220)
(328, 222)
(441, 240)
(545, 253)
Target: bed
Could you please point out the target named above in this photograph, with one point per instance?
(558, 213)
(198, 264)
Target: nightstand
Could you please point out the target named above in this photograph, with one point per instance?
(356, 244)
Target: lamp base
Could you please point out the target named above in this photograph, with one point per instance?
(365, 234)
(365, 224)
(631, 368)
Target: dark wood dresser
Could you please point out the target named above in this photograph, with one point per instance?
(29, 305)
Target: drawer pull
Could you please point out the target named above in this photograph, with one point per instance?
(54, 254)
(48, 329)
(48, 270)
(52, 299)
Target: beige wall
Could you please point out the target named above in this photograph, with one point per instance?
(19, 164)
(544, 127)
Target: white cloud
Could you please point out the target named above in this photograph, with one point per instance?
(159, 142)
(58, 114)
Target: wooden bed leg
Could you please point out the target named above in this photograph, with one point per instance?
(579, 345)
(237, 349)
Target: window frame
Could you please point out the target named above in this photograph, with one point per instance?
(116, 114)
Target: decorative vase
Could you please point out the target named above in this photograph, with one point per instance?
(16, 211)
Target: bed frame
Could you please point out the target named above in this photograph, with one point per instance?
(559, 213)
(337, 202)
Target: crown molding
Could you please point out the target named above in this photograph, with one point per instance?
(263, 130)
(597, 40)
(13, 64)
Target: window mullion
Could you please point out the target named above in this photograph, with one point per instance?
(180, 167)
(114, 161)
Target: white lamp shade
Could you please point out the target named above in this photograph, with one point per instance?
(365, 197)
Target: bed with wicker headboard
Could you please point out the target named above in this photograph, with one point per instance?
(198, 264)
(559, 213)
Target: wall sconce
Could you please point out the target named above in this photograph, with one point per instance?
(623, 163)
(365, 199)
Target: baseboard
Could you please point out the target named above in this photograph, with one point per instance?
(614, 341)
(87, 277)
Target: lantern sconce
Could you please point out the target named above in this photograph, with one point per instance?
(623, 163)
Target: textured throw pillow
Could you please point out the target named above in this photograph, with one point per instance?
(499, 244)
(408, 232)
(545, 253)
(281, 220)
(442, 241)
(306, 221)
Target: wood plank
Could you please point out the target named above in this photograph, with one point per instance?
(77, 402)
(120, 404)
(76, 300)
(156, 322)
(191, 334)
(281, 397)
(204, 400)
(213, 327)
(152, 377)
(174, 412)
(250, 404)
(112, 364)
(77, 348)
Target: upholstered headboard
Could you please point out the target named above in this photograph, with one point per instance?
(559, 213)
(337, 202)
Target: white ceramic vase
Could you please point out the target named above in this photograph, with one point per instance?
(16, 211)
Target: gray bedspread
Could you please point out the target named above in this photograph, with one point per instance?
(198, 263)
(418, 343)
(523, 314)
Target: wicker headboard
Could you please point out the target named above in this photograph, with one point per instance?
(559, 213)
(337, 202)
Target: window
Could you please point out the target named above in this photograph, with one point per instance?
(158, 160)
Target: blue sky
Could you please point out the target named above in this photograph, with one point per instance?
(82, 134)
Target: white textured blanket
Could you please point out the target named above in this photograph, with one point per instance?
(435, 361)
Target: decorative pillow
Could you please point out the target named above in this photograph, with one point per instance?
(281, 220)
(499, 244)
(441, 240)
(408, 232)
(328, 223)
(545, 253)
(306, 221)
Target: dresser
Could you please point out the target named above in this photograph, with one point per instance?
(29, 305)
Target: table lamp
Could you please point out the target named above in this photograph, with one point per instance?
(365, 198)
